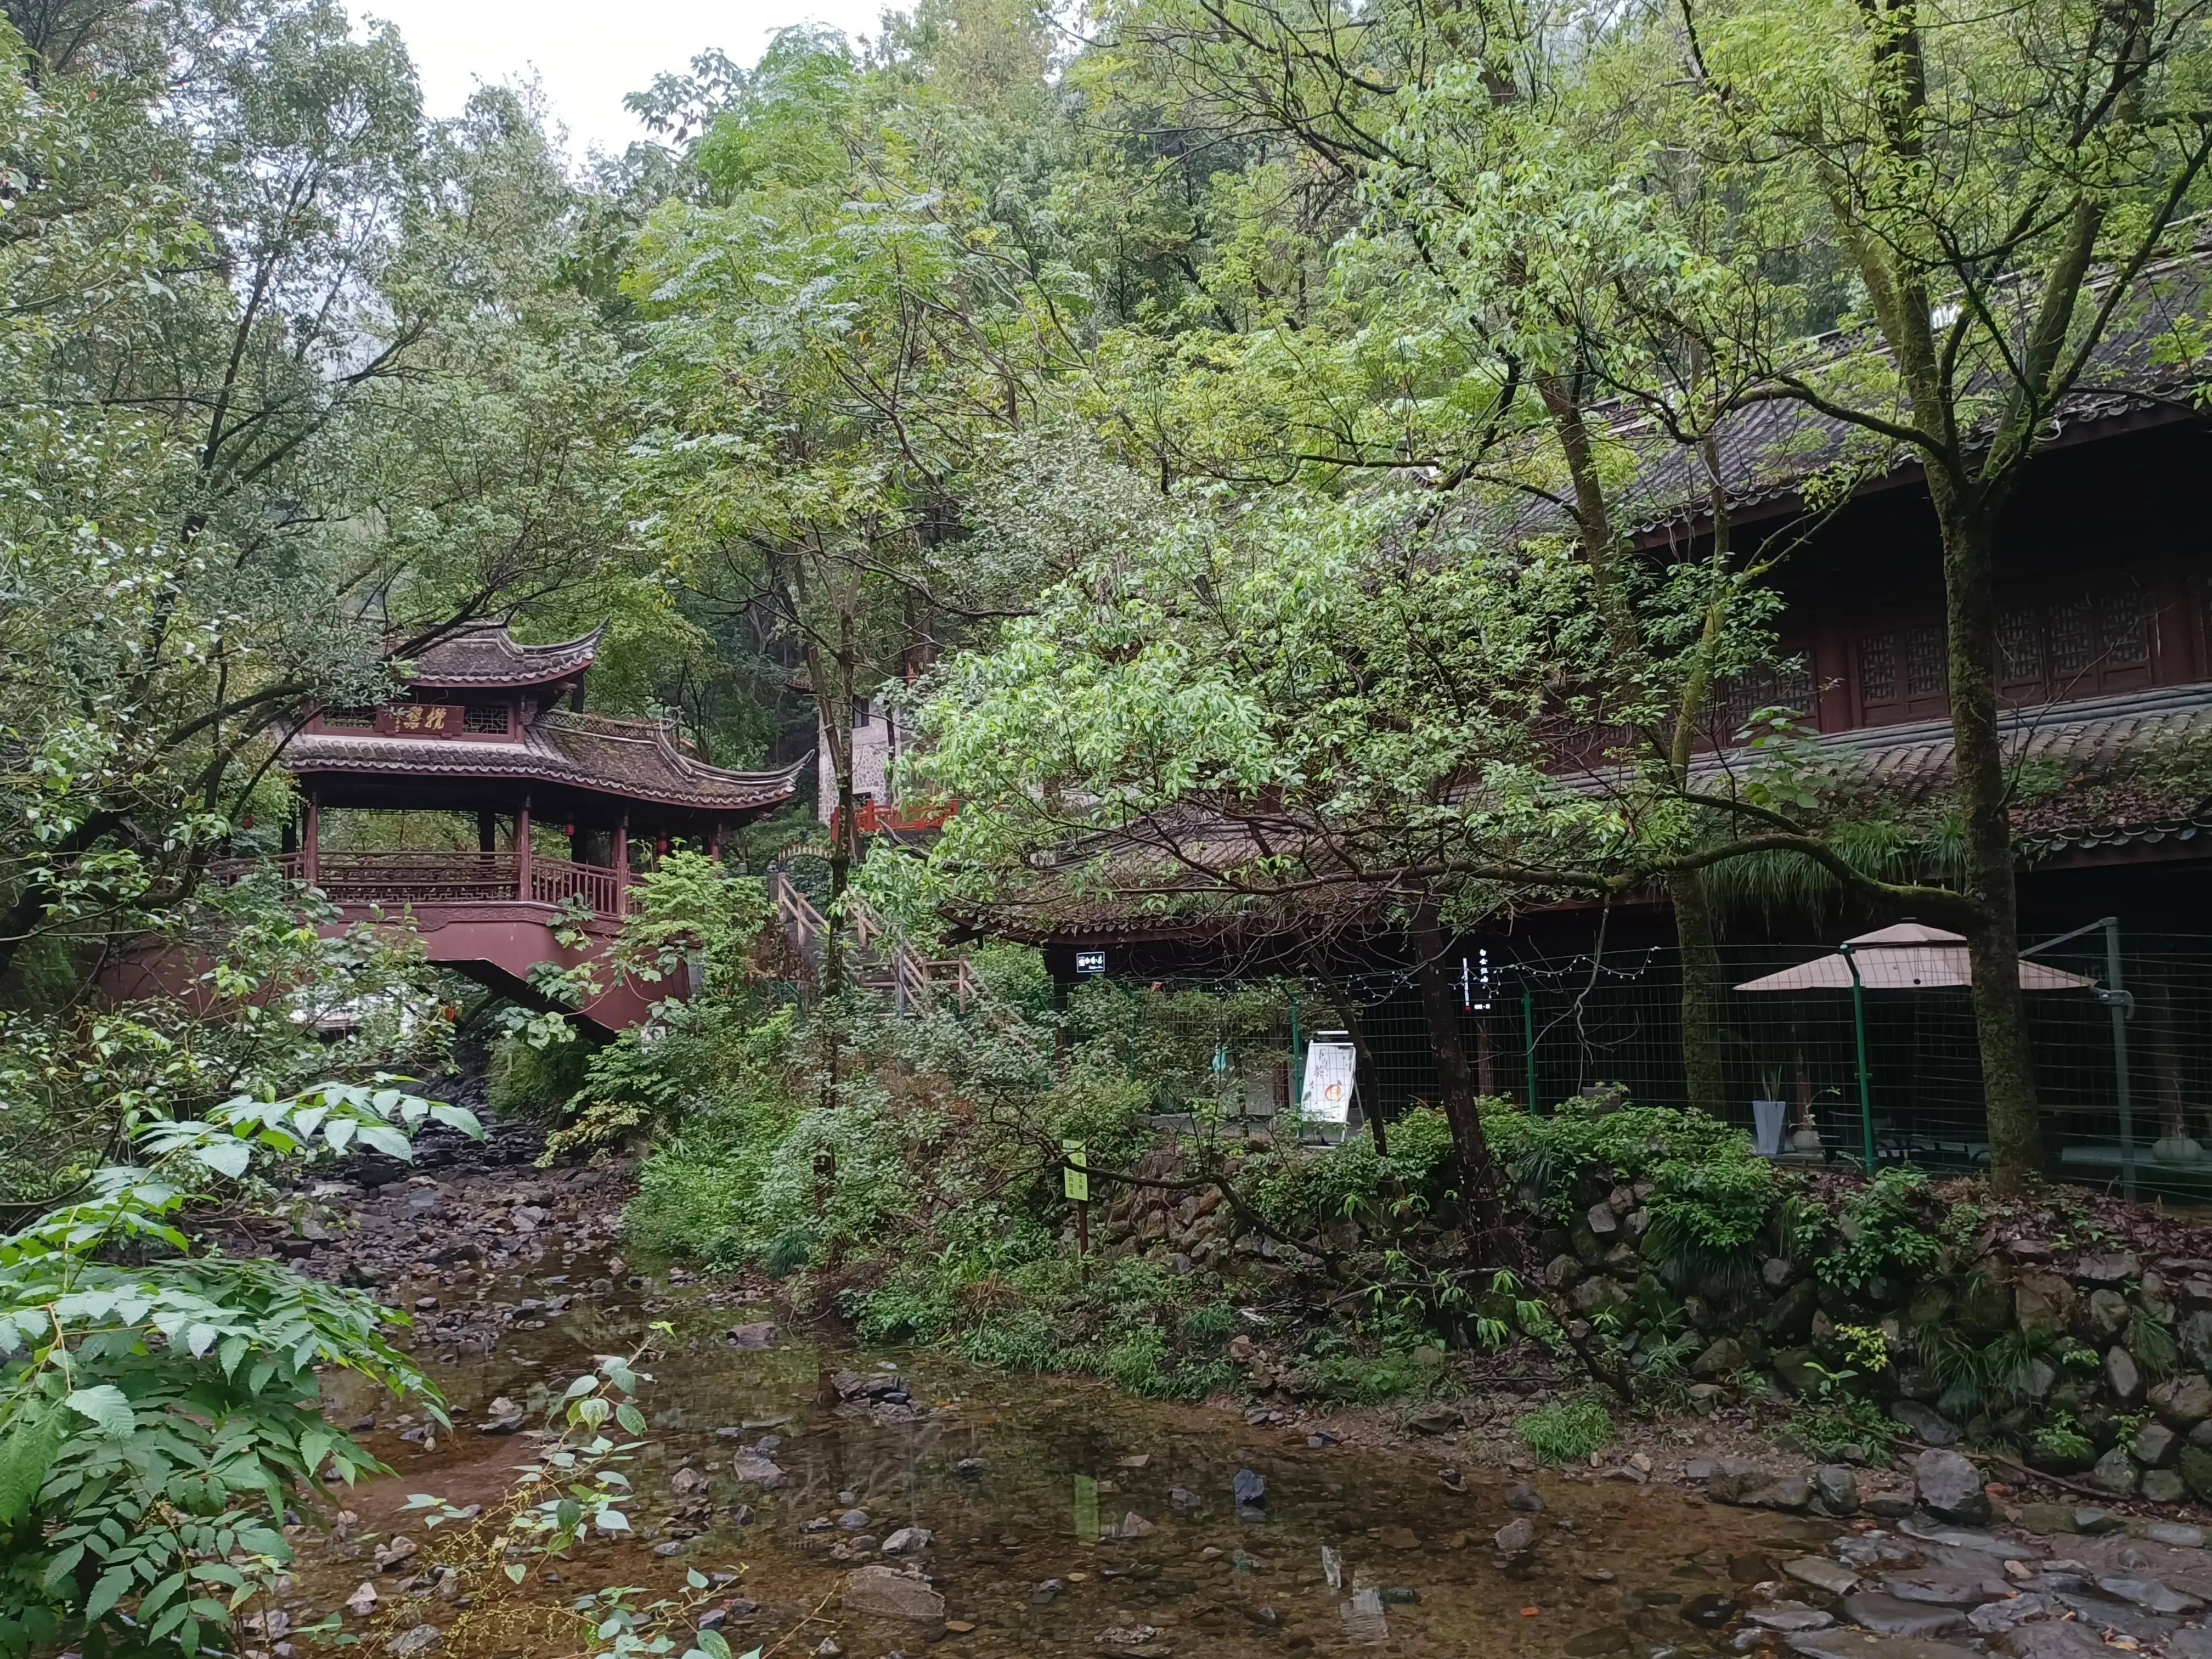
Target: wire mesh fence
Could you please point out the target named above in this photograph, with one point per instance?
(2120, 1031)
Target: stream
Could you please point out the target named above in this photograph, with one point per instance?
(1026, 1486)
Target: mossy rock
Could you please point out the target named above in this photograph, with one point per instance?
(1791, 1318)
(1930, 1305)
(2196, 1472)
(1986, 1309)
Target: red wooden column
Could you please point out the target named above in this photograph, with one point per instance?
(311, 838)
(621, 865)
(522, 850)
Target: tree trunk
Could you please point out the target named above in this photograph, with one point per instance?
(2016, 1127)
(1704, 994)
(1479, 1186)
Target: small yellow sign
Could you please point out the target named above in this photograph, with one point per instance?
(1072, 1176)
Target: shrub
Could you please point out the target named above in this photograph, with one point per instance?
(535, 1080)
(1566, 1432)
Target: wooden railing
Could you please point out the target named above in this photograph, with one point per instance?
(913, 982)
(393, 879)
(559, 881)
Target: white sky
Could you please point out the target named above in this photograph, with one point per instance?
(588, 55)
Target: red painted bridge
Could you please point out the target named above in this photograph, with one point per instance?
(491, 729)
(492, 917)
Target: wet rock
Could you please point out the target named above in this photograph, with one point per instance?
(395, 1554)
(1927, 1424)
(1822, 1574)
(1126, 1636)
(1249, 1489)
(754, 1337)
(1045, 1591)
(1133, 1525)
(668, 1547)
(2151, 1595)
(1950, 1486)
(1722, 1357)
(907, 1541)
(2182, 1403)
(2122, 1375)
(1184, 1501)
(881, 1592)
(503, 1416)
(2175, 1535)
(362, 1601)
(1596, 1644)
(1992, 1617)
(1940, 1591)
(1776, 1273)
(1886, 1615)
(751, 1466)
(2196, 1471)
(1516, 1537)
(2043, 1303)
(1841, 1644)
(1523, 1498)
(420, 1639)
(851, 1520)
(1887, 1498)
(2109, 1313)
(1837, 1487)
(2163, 1486)
(2154, 1445)
(688, 1482)
(2115, 1471)
(2054, 1639)
(970, 1468)
(1788, 1617)
(1602, 1221)
(2107, 1267)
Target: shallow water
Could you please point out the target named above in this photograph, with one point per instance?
(1355, 1550)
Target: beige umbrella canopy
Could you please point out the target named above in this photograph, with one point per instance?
(1909, 956)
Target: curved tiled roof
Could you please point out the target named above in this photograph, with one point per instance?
(486, 654)
(636, 760)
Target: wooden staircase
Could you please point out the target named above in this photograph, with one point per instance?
(879, 959)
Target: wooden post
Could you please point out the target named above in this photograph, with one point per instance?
(522, 850)
(311, 839)
(621, 865)
(487, 833)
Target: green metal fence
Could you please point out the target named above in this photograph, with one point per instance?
(2122, 1060)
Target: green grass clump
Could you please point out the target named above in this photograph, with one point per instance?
(1351, 1380)
(1567, 1432)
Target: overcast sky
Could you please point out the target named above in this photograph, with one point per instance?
(588, 55)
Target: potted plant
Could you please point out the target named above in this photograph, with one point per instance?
(1769, 1113)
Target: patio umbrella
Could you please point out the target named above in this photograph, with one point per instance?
(1909, 957)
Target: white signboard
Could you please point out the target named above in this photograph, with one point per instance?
(1330, 1070)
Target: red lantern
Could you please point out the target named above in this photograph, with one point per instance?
(661, 846)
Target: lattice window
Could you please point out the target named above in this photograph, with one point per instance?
(2074, 637)
(485, 717)
(2019, 638)
(1923, 661)
(351, 718)
(1878, 668)
(2127, 629)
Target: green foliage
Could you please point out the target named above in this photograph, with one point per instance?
(1888, 1225)
(1565, 1431)
(1828, 1425)
(1349, 1379)
(532, 1079)
(161, 1407)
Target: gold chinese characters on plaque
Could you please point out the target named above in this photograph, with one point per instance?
(419, 719)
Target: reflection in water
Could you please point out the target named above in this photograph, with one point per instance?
(1011, 1476)
(1363, 1616)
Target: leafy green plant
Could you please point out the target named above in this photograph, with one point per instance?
(1882, 1229)
(162, 1406)
(1566, 1430)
